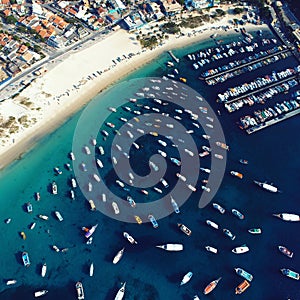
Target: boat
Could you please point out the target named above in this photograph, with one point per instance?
(191, 187)
(290, 273)
(7, 221)
(175, 161)
(54, 188)
(153, 221)
(236, 174)
(118, 256)
(72, 194)
(266, 186)
(219, 208)
(175, 206)
(144, 192)
(229, 234)
(25, 259)
(186, 278)
(44, 270)
(55, 248)
(219, 156)
(92, 205)
(23, 235)
(238, 214)
(83, 167)
(73, 183)
(285, 251)
(43, 217)
(181, 177)
(211, 286)
(131, 201)
(58, 216)
(40, 293)
(11, 282)
(32, 225)
(222, 145)
(242, 249)
(121, 292)
(29, 207)
(101, 150)
(91, 231)
(130, 239)
(184, 229)
(182, 79)
(244, 274)
(96, 177)
(112, 109)
(205, 170)
(171, 247)
(91, 269)
(79, 289)
(288, 217)
(211, 249)
(255, 230)
(138, 220)
(115, 207)
(241, 288)
(196, 297)
(212, 224)
(243, 161)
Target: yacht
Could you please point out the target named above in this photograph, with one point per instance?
(255, 230)
(242, 249)
(186, 278)
(181, 177)
(11, 282)
(219, 208)
(212, 224)
(73, 183)
(175, 161)
(91, 269)
(130, 239)
(229, 234)
(92, 205)
(54, 188)
(175, 206)
(153, 221)
(211, 249)
(43, 217)
(25, 259)
(29, 207)
(211, 286)
(131, 201)
(91, 231)
(40, 293)
(236, 174)
(290, 273)
(238, 214)
(243, 274)
(288, 217)
(171, 247)
(32, 225)
(164, 182)
(242, 287)
(121, 292)
(115, 207)
(99, 163)
(118, 256)
(266, 186)
(87, 150)
(285, 251)
(79, 289)
(72, 156)
(58, 216)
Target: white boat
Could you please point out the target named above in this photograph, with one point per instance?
(171, 247)
(54, 188)
(205, 170)
(91, 269)
(163, 143)
(212, 224)
(96, 177)
(73, 183)
(79, 289)
(89, 241)
(115, 207)
(92, 205)
(120, 183)
(175, 206)
(11, 282)
(130, 239)
(72, 156)
(288, 217)
(40, 293)
(55, 248)
(267, 186)
(44, 270)
(58, 216)
(32, 225)
(99, 163)
(211, 249)
(164, 182)
(87, 150)
(186, 278)
(121, 292)
(101, 150)
(43, 217)
(241, 249)
(181, 177)
(192, 188)
(118, 256)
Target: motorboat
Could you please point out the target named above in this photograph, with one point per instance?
(290, 273)
(55, 248)
(211, 249)
(40, 293)
(153, 221)
(186, 278)
(238, 214)
(91, 231)
(184, 229)
(267, 186)
(57, 170)
(236, 174)
(91, 269)
(171, 247)
(211, 286)
(92, 205)
(286, 251)
(79, 290)
(175, 161)
(44, 270)
(131, 201)
(118, 256)
(241, 272)
(175, 205)
(288, 217)
(242, 249)
(130, 239)
(121, 292)
(43, 217)
(219, 208)
(138, 219)
(229, 234)
(11, 282)
(242, 287)
(58, 216)
(23, 235)
(29, 207)
(212, 224)
(54, 188)
(255, 230)
(25, 259)
(181, 177)
(115, 207)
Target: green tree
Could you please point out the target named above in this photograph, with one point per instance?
(11, 20)
(237, 10)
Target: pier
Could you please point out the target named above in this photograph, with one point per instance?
(261, 89)
(273, 121)
(244, 65)
(173, 56)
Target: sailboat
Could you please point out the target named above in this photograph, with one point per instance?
(121, 292)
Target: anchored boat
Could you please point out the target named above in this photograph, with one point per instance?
(184, 229)
(211, 286)
(171, 247)
(243, 274)
(121, 292)
(242, 249)
(290, 273)
(118, 256)
(288, 217)
(285, 251)
(186, 278)
(266, 186)
(241, 288)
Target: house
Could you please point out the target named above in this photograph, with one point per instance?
(55, 41)
(133, 21)
(200, 4)
(26, 57)
(171, 6)
(13, 69)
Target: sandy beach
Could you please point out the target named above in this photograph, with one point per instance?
(74, 80)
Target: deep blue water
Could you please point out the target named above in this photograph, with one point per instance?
(151, 273)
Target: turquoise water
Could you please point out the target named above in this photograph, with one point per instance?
(151, 273)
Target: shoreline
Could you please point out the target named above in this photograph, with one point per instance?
(90, 88)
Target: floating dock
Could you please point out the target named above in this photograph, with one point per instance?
(173, 56)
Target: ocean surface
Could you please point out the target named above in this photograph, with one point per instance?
(152, 273)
